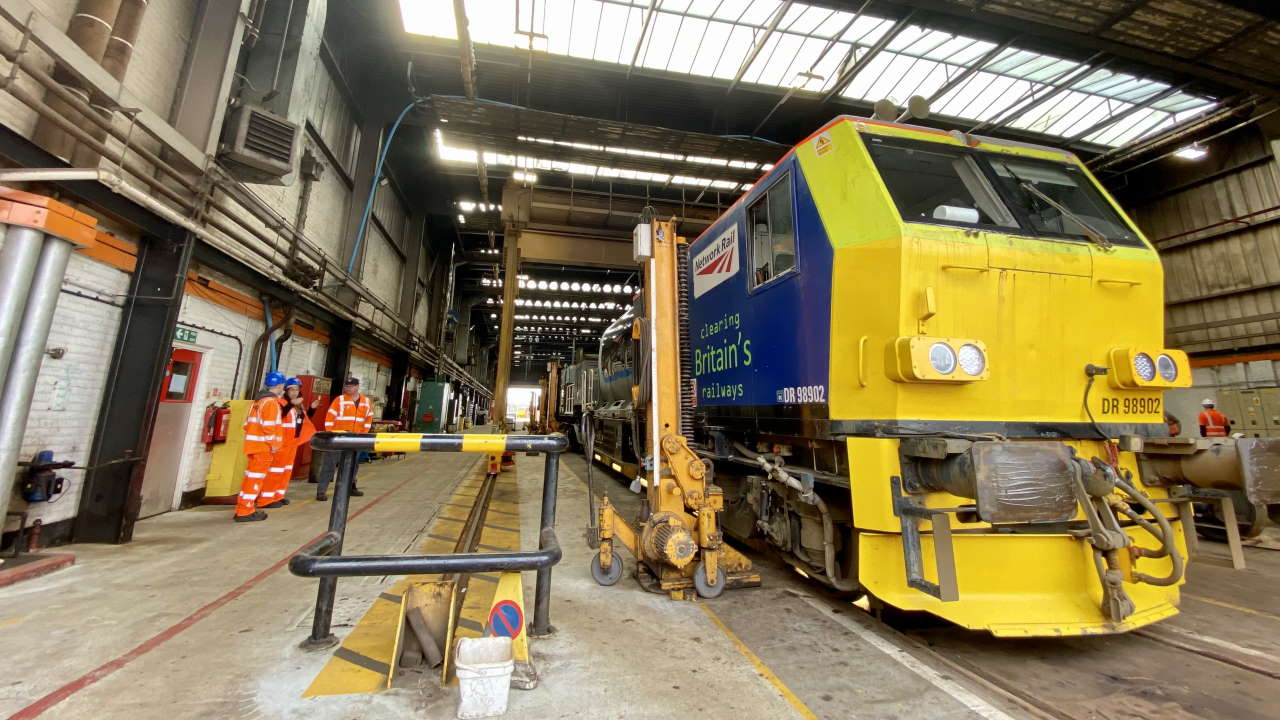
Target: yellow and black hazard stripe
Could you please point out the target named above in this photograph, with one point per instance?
(428, 442)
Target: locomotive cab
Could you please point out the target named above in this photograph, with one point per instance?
(932, 367)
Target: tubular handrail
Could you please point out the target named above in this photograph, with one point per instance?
(316, 564)
(322, 558)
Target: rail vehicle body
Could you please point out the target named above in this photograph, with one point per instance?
(577, 393)
(930, 367)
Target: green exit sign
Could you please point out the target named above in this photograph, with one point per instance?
(184, 335)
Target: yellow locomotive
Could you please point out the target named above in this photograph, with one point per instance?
(930, 366)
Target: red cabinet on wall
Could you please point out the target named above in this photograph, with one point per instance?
(313, 387)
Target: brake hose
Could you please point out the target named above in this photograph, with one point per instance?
(1166, 537)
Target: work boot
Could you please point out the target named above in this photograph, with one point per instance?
(255, 516)
(322, 496)
(279, 503)
(357, 492)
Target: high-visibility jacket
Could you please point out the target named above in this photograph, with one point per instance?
(348, 416)
(297, 426)
(1214, 423)
(264, 427)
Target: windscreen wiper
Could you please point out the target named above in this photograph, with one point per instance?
(1098, 238)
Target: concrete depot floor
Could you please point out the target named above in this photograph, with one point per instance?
(199, 618)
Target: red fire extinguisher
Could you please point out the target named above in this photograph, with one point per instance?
(217, 422)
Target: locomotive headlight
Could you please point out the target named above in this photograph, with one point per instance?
(942, 358)
(972, 360)
(1144, 367)
(936, 359)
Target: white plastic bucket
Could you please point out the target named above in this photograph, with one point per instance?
(484, 676)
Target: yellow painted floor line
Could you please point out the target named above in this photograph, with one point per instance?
(762, 669)
(1241, 608)
(361, 663)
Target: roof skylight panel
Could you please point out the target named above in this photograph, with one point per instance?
(585, 29)
(759, 12)
(807, 19)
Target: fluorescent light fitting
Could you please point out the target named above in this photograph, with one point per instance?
(1194, 151)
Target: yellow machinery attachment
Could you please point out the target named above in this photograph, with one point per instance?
(678, 544)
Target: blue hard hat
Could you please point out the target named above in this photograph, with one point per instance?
(273, 379)
(293, 382)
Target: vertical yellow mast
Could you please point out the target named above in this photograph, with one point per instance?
(679, 545)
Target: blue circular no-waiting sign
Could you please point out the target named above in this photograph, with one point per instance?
(506, 619)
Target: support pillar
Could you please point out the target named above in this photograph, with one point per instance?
(395, 388)
(338, 359)
(112, 493)
(506, 331)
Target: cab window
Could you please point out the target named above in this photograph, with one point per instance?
(938, 184)
(1057, 199)
(771, 223)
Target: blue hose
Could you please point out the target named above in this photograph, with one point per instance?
(271, 346)
(373, 185)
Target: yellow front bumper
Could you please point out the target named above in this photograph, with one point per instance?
(1019, 585)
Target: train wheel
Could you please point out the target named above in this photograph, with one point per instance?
(1210, 523)
(610, 576)
(700, 582)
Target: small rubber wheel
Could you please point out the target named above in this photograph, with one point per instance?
(610, 576)
(700, 582)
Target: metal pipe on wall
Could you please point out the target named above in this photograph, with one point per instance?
(28, 354)
(17, 266)
(115, 60)
(90, 29)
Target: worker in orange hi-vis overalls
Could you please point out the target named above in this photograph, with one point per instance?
(1212, 423)
(297, 430)
(350, 412)
(263, 437)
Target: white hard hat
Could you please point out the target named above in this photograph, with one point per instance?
(1207, 401)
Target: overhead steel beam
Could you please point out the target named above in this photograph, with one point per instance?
(644, 33)
(1120, 15)
(759, 45)
(601, 71)
(848, 74)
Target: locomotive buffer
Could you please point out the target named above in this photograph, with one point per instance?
(676, 540)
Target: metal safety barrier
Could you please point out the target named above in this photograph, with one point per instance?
(323, 558)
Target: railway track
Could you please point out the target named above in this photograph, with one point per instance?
(1152, 672)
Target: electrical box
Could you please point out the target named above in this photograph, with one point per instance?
(642, 242)
(1229, 404)
(1252, 420)
(433, 408)
(1270, 407)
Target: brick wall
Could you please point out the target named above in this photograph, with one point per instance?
(374, 379)
(299, 356)
(68, 393)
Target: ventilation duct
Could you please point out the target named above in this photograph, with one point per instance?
(261, 134)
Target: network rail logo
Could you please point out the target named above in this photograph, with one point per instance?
(716, 263)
